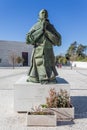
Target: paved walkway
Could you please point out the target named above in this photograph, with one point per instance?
(10, 120)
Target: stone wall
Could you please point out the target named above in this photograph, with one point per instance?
(79, 64)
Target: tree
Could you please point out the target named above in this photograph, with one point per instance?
(61, 59)
(80, 50)
(76, 52)
(67, 55)
(13, 59)
(19, 60)
(72, 49)
(85, 50)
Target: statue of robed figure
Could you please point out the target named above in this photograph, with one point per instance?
(43, 36)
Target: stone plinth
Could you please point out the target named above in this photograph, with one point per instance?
(28, 95)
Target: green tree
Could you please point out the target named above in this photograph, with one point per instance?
(81, 50)
(72, 49)
(85, 50)
(61, 59)
(67, 55)
(76, 52)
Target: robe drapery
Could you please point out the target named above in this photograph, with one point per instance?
(43, 36)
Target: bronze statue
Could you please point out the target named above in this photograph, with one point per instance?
(43, 36)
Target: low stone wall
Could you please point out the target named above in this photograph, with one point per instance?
(79, 64)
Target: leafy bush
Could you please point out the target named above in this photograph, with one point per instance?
(85, 59)
(19, 60)
(55, 100)
(58, 100)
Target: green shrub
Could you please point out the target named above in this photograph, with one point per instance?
(58, 100)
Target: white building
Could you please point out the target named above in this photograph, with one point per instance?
(14, 49)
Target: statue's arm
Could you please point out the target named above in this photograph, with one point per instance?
(29, 38)
(34, 34)
(53, 35)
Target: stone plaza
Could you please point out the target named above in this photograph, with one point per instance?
(11, 120)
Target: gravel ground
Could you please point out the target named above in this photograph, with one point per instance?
(10, 120)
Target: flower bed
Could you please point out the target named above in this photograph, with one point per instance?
(60, 104)
(63, 113)
(41, 119)
(58, 107)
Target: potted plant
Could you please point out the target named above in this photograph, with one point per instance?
(41, 117)
(60, 104)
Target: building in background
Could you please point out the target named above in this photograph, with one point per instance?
(11, 50)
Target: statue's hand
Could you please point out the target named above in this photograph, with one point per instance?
(43, 22)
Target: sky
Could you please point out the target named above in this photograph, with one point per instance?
(69, 17)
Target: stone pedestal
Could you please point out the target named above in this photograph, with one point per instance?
(27, 95)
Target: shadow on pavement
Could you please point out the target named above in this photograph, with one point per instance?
(80, 105)
(60, 123)
(61, 80)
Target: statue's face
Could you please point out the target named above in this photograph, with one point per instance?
(43, 14)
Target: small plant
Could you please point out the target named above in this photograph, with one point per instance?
(38, 110)
(19, 60)
(58, 100)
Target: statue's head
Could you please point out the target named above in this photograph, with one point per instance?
(43, 14)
